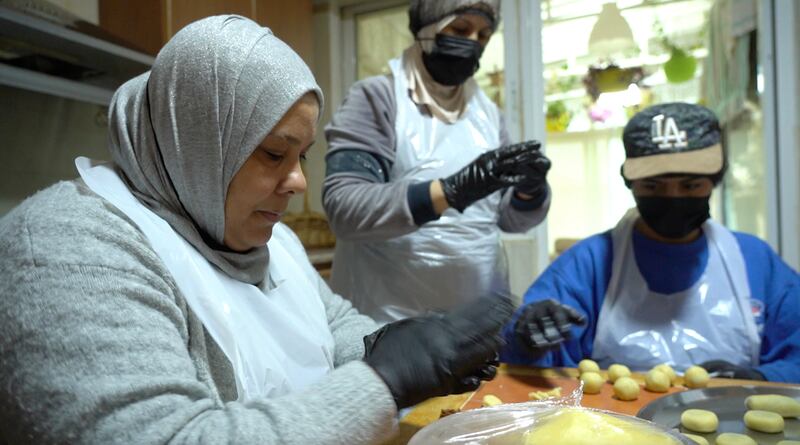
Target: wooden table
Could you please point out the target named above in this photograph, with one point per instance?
(513, 384)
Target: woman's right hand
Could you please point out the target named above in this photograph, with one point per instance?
(439, 354)
(489, 172)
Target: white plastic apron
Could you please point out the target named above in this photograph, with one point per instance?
(445, 262)
(710, 320)
(278, 341)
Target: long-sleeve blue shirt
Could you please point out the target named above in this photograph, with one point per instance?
(580, 277)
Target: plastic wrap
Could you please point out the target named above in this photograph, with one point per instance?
(520, 423)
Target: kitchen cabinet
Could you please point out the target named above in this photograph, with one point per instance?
(148, 24)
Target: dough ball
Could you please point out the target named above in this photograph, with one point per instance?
(667, 369)
(592, 382)
(699, 420)
(656, 381)
(735, 439)
(785, 406)
(616, 371)
(625, 388)
(490, 400)
(541, 395)
(695, 377)
(587, 365)
(764, 421)
(697, 439)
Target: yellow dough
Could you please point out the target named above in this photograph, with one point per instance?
(587, 365)
(764, 421)
(616, 371)
(697, 439)
(541, 395)
(699, 420)
(695, 377)
(575, 426)
(667, 369)
(490, 400)
(592, 382)
(735, 439)
(785, 406)
(625, 388)
(656, 381)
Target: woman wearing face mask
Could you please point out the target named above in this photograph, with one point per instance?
(157, 299)
(668, 284)
(417, 189)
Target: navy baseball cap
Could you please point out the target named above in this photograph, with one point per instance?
(672, 138)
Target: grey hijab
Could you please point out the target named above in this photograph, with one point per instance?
(180, 132)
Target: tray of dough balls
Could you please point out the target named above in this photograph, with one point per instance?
(670, 401)
(524, 407)
(731, 415)
(614, 389)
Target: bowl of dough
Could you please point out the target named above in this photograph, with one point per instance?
(545, 423)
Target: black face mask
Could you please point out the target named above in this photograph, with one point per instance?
(673, 217)
(453, 60)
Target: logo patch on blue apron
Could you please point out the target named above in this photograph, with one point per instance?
(757, 306)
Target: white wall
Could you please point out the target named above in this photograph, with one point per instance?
(327, 51)
(40, 136)
(787, 69)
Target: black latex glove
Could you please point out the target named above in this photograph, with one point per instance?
(544, 324)
(731, 371)
(534, 182)
(439, 354)
(489, 172)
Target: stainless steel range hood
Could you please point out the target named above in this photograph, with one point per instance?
(46, 49)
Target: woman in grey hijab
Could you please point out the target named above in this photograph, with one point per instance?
(158, 299)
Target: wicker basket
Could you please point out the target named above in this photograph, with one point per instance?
(311, 227)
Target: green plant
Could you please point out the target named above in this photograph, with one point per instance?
(681, 65)
(555, 109)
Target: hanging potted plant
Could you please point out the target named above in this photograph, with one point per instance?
(681, 65)
(557, 117)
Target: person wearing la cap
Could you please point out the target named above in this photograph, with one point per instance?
(158, 299)
(667, 284)
(422, 176)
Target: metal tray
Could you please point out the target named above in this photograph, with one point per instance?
(728, 403)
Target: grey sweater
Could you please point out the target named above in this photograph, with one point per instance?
(97, 345)
(363, 207)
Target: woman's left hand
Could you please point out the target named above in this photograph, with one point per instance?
(534, 177)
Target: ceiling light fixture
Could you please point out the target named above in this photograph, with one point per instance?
(611, 35)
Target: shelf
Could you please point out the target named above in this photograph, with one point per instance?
(109, 63)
